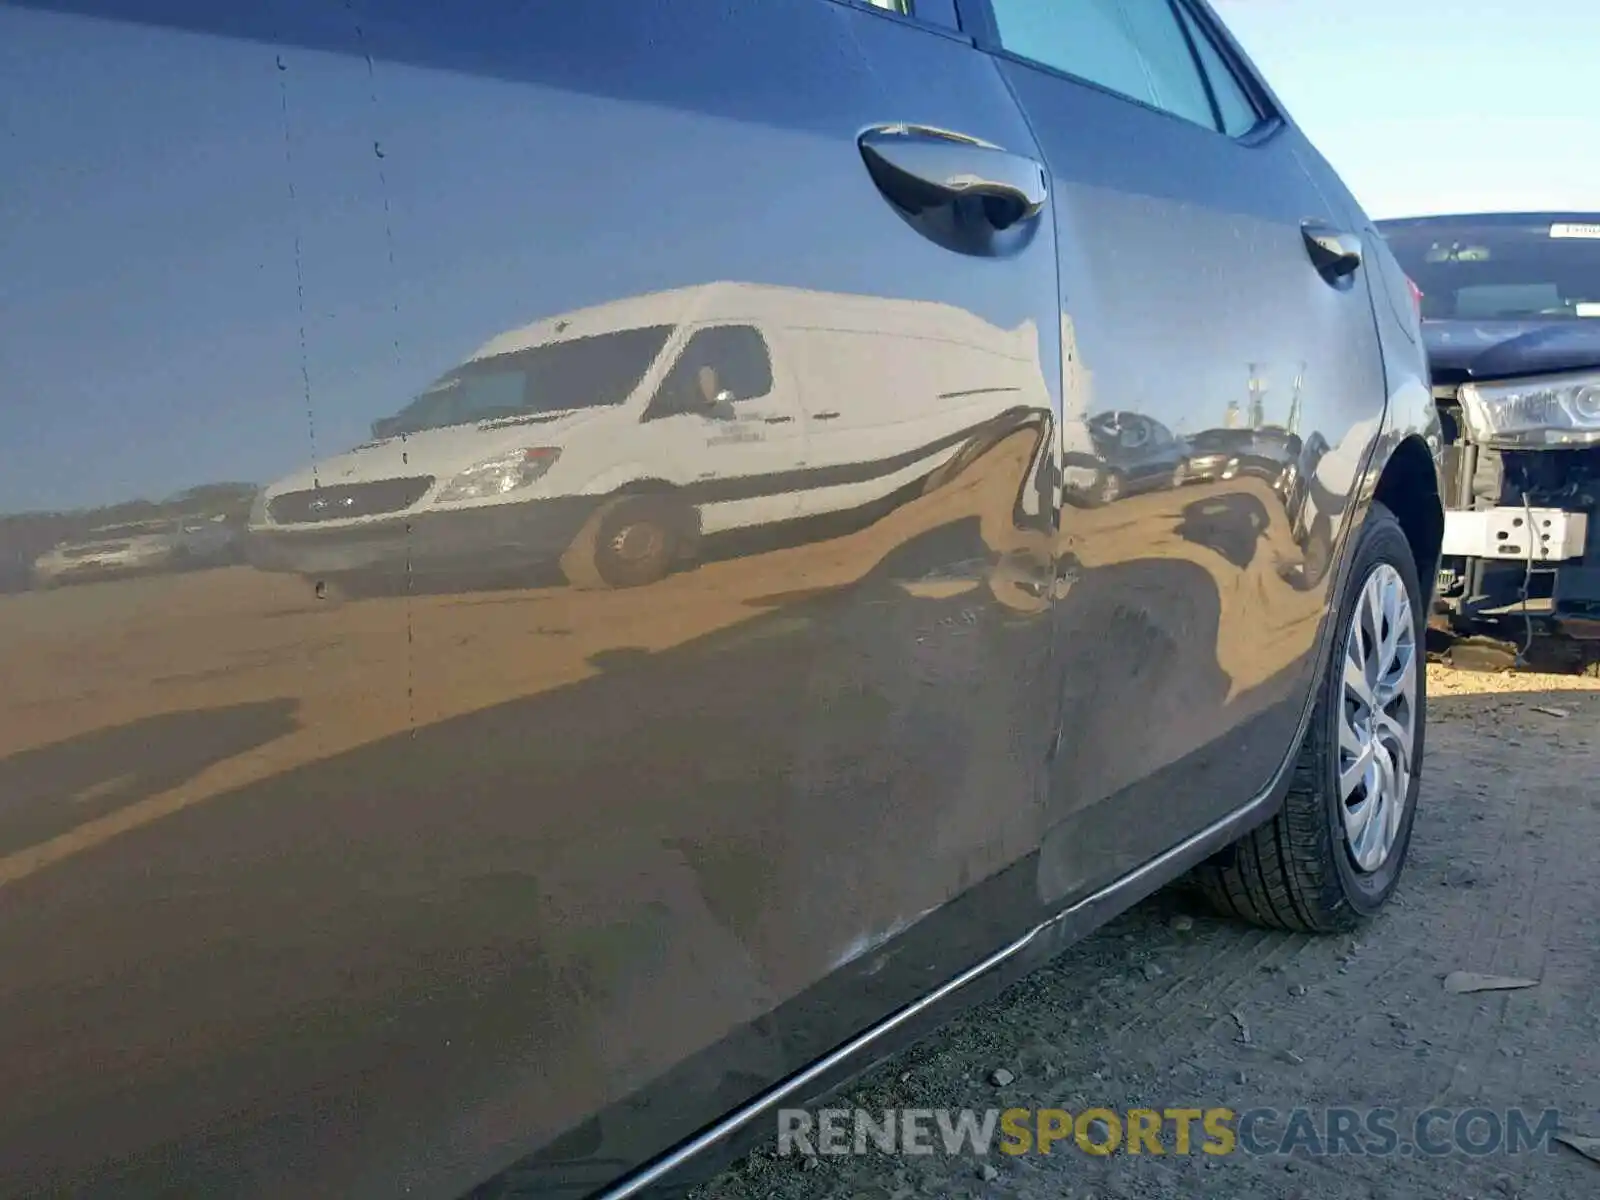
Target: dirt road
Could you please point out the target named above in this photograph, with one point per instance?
(1153, 1011)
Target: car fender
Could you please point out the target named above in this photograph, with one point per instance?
(1410, 413)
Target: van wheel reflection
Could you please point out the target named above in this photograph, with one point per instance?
(631, 541)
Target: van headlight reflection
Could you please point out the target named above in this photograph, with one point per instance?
(501, 474)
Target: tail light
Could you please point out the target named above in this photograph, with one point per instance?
(1416, 296)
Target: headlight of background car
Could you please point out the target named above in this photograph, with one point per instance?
(501, 474)
(1557, 410)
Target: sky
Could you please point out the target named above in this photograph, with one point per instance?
(1439, 106)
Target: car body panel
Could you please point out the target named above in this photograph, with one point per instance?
(307, 892)
(383, 895)
(1195, 240)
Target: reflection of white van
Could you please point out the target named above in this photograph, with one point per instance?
(613, 437)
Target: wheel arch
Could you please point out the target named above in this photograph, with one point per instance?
(645, 485)
(654, 487)
(1408, 486)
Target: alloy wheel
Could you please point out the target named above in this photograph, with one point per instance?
(1378, 717)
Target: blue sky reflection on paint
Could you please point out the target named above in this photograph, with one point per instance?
(152, 278)
(152, 285)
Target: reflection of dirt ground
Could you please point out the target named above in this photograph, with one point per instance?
(102, 656)
(49, 789)
(1266, 624)
(479, 845)
(371, 844)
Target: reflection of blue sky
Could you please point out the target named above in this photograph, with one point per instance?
(150, 332)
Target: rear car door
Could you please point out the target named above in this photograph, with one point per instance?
(386, 894)
(1199, 270)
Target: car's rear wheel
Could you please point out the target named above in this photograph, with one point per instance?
(1333, 854)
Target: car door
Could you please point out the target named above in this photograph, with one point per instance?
(310, 892)
(726, 424)
(1197, 271)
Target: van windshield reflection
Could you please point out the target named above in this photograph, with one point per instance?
(556, 377)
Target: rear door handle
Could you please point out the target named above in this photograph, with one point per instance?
(827, 416)
(778, 420)
(919, 167)
(1335, 254)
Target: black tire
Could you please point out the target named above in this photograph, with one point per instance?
(1296, 872)
(630, 541)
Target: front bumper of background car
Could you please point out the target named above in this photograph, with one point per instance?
(1522, 539)
(100, 566)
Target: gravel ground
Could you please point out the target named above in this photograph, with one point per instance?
(1168, 1006)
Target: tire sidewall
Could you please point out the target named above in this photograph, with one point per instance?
(1381, 541)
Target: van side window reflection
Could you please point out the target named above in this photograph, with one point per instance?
(730, 360)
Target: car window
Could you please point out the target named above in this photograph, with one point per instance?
(1238, 112)
(1135, 47)
(724, 360)
(1472, 270)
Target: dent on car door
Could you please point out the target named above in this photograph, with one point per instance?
(1194, 300)
(305, 890)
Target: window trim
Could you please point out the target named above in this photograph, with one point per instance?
(1217, 123)
(1267, 118)
(977, 17)
(934, 16)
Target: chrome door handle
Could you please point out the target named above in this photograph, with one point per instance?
(1334, 253)
(919, 167)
